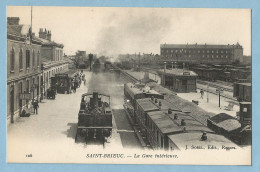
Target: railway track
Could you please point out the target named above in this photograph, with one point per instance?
(214, 85)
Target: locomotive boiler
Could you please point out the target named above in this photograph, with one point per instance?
(94, 119)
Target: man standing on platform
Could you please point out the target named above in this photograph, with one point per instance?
(35, 106)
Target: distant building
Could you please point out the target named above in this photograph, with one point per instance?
(202, 53)
(179, 80)
(247, 60)
(23, 66)
(52, 58)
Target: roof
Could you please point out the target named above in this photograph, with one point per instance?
(164, 123)
(19, 30)
(182, 140)
(245, 84)
(134, 89)
(221, 117)
(200, 46)
(225, 121)
(147, 105)
(179, 72)
(50, 43)
(167, 124)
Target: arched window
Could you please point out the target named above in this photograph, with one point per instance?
(27, 58)
(33, 59)
(21, 59)
(12, 54)
(38, 58)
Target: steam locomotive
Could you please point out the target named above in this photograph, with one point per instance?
(94, 119)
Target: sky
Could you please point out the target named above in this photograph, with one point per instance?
(115, 30)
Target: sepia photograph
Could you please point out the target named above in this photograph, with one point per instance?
(127, 85)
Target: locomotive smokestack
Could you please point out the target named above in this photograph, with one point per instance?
(95, 99)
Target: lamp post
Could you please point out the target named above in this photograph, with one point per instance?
(32, 90)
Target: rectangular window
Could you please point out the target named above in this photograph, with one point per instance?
(21, 59)
(27, 58)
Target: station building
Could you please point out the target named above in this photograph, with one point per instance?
(202, 53)
(23, 66)
(179, 80)
(52, 59)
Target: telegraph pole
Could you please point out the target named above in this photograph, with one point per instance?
(219, 91)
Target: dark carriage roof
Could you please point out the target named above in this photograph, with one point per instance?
(147, 104)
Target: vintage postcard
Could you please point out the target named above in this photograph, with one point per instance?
(118, 85)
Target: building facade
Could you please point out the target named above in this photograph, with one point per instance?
(179, 80)
(199, 53)
(52, 59)
(23, 66)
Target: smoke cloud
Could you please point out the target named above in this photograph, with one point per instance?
(132, 31)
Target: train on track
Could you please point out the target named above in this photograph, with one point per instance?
(98, 66)
(164, 126)
(94, 119)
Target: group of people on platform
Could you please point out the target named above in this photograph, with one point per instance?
(34, 105)
(76, 82)
(27, 110)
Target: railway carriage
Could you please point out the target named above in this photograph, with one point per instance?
(134, 92)
(166, 127)
(62, 82)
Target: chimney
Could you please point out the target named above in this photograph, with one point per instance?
(13, 20)
(49, 35)
(204, 136)
(43, 34)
